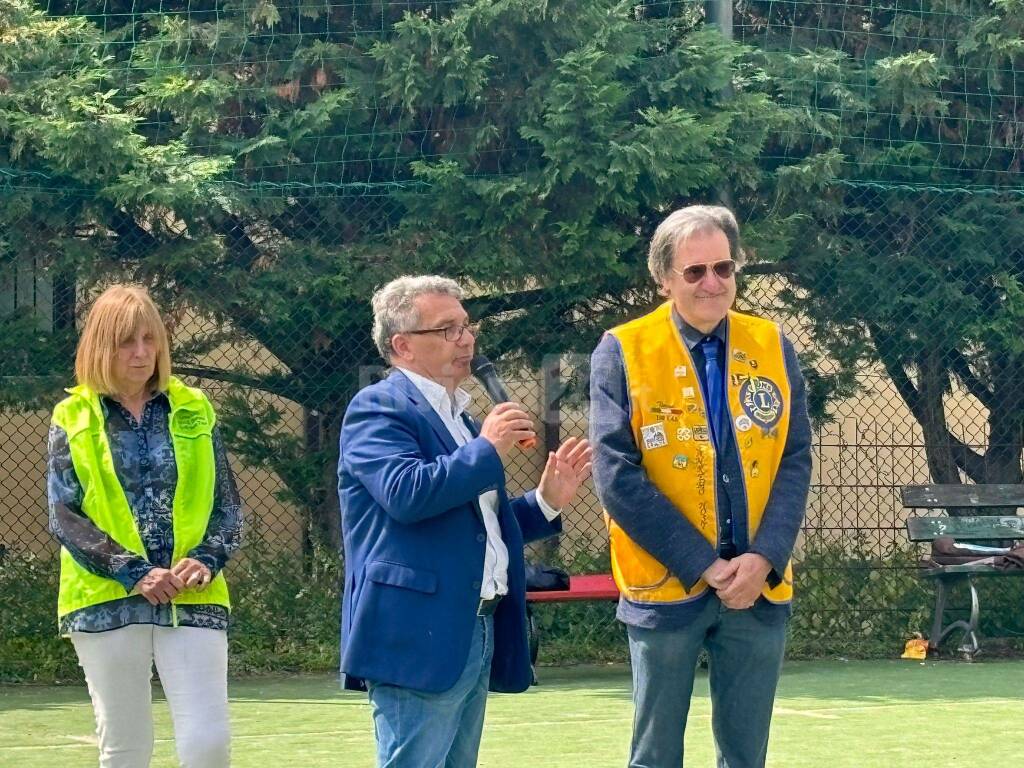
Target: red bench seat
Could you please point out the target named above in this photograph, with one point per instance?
(595, 586)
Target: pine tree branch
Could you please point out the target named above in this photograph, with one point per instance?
(271, 385)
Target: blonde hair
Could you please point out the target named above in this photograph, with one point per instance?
(118, 313)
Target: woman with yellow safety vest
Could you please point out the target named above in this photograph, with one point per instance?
(145, 506)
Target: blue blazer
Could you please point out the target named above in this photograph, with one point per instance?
(414, 543)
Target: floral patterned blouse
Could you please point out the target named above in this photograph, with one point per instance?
(144, 462)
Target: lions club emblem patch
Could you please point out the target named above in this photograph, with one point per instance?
(762, 401)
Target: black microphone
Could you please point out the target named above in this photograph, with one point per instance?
(485, 372)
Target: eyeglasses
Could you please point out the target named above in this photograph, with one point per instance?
(694, 273)
(451, 333)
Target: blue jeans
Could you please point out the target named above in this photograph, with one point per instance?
(436, 730)
(745, 650)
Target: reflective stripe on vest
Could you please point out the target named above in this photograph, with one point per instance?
(670, 426)
(104, 502)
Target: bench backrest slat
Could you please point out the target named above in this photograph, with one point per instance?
(965, 528)
(980, 496)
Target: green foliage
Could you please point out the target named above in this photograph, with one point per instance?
(898, 206)
(573, 633)
(30, 649)
(286, 613)
(577, 632)
(27, 350)
(262, 167)
(267, 181)
(851, 601)
(257, 431)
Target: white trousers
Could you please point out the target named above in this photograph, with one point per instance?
(193, 668)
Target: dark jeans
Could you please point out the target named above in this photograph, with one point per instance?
(745, 650)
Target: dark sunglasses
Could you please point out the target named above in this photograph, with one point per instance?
(694, 273)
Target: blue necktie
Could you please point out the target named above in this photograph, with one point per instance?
(713, 373)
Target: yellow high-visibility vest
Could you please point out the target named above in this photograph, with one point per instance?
(104, 502)
(671, 429)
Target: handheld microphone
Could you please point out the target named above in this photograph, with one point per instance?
(485, 372)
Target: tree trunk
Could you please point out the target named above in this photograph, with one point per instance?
(324, 525)
(1005, 422)
(931, 415)
(1005, 433)
(948, 456)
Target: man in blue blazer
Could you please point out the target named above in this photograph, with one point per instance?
(434, 609)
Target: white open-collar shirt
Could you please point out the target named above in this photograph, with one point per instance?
(495, 576)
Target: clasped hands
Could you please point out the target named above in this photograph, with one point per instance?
(739, 581)
(161, 585)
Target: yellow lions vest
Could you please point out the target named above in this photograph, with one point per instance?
(670, 426)
(104, 502)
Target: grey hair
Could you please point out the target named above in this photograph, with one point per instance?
(682, 224)
(394, 306)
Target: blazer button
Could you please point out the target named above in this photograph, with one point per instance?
(476, 586)
(481, 538)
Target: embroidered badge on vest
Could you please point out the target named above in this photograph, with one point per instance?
(762, 401)
(191, 423)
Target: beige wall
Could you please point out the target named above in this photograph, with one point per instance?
(23, 481)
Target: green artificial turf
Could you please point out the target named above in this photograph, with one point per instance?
(828, 714)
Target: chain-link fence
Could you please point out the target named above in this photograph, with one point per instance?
(263, 166)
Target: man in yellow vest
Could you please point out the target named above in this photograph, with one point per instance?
(702, 461)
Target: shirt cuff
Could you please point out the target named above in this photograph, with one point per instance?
(550, 513)
(209, 560)
(777, 563)
(129, 574)
(691, 577)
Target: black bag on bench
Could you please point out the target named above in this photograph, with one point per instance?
(545, 578)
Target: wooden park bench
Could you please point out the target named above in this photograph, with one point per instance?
(990, 529)
(595, 586)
